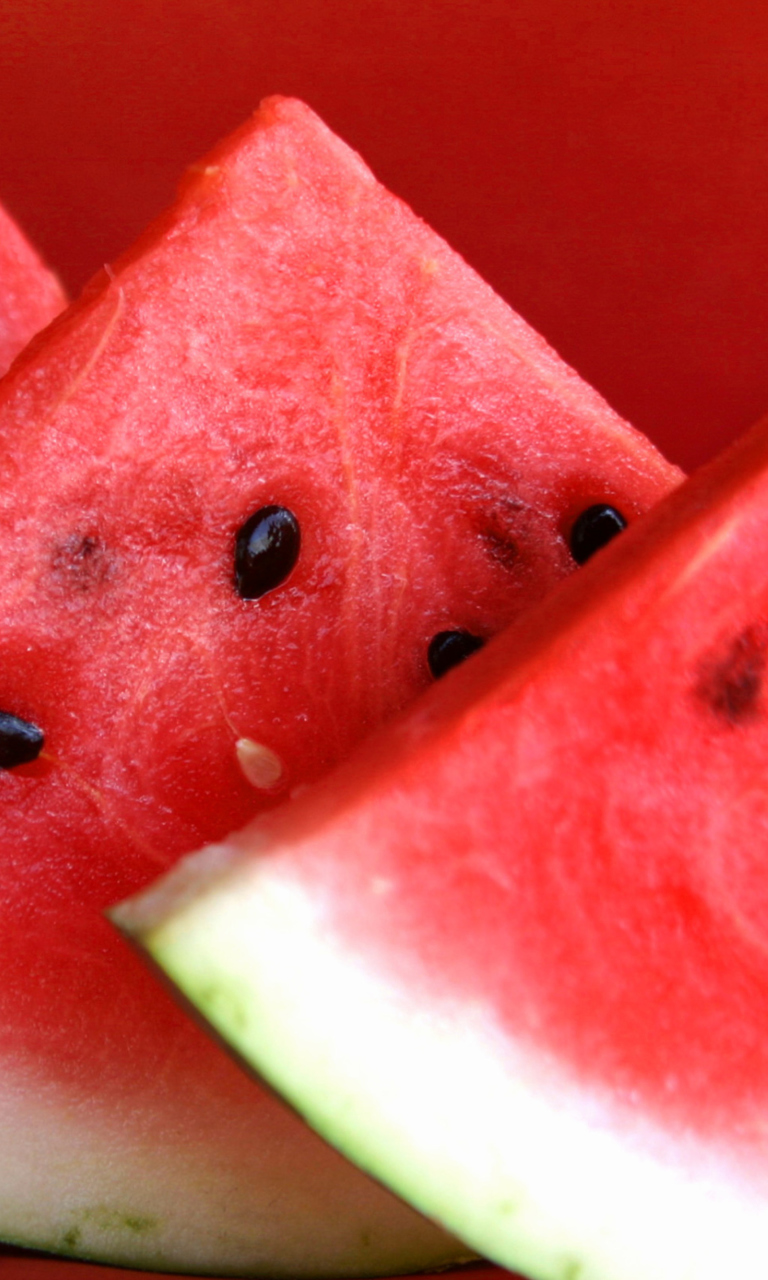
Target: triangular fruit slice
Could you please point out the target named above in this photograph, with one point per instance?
(282, 463)
(30, 294)
(514, 959)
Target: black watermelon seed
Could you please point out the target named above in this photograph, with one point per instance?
(266, 549)
(593, 529)
(448, 648)
(20, 741)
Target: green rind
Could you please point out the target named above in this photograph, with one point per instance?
(539, 1174)
(122, 1203)
(432, 954)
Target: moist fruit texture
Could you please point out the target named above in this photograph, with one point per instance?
(272, 453)
(30, 294)
(514, 959)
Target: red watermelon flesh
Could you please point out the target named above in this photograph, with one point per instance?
(30, 294)
(524, 936)
(289, 336)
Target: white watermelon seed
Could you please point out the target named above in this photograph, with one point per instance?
(260, 765)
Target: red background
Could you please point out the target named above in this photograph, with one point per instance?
(602, 164)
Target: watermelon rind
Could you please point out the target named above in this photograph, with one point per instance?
(610, 754)
(557, 1193)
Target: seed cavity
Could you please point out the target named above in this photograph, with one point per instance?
(593, 529)
(501, 549)
(260, 765)
(731, 682)
(20, 741)
(448, 648)
(81, 562)
(266, 550)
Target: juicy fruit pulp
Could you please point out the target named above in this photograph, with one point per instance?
(289, 338)
(551, 1036)
(30, 294)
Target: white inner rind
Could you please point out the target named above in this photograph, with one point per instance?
(86, 1179)
(492, 1140)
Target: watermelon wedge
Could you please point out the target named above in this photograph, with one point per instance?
(30, 294)
(283, 463)
(514, 958)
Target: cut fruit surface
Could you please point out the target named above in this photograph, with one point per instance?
(278, 447)
(514, 958)
(30, 294)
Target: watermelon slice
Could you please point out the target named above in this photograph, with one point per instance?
(281, 465)
(514, 959)
(30, 294)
